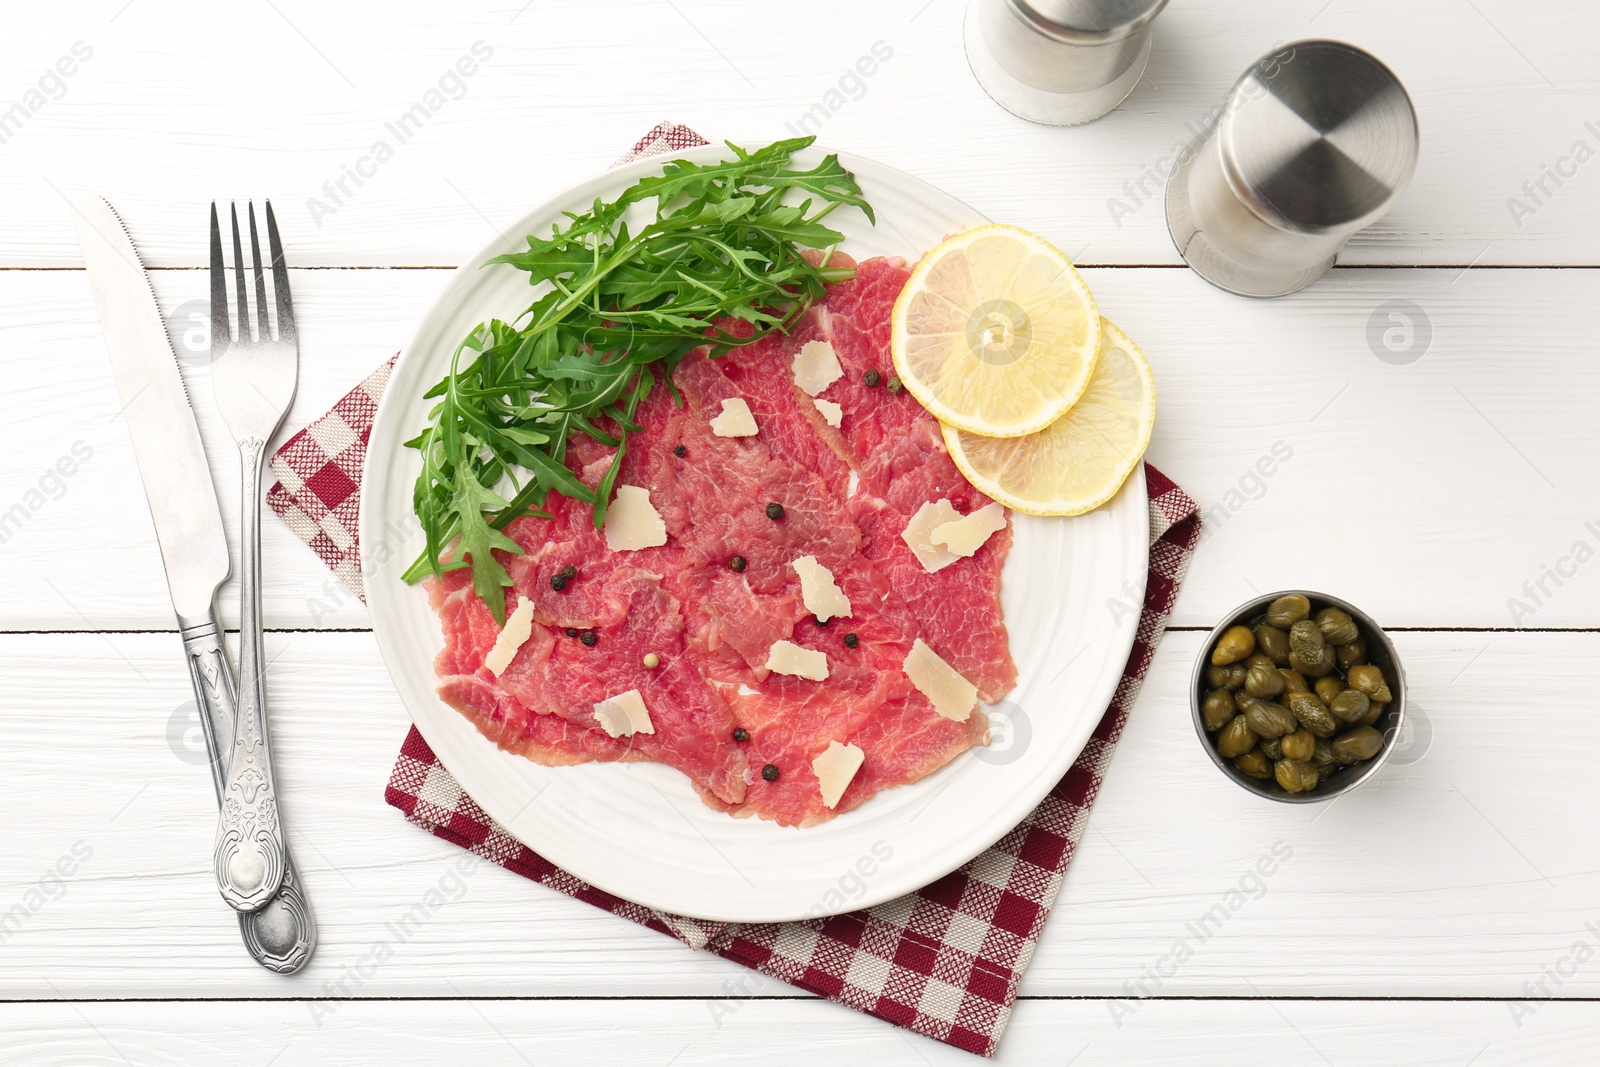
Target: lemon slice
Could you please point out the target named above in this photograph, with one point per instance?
(1079, 461)
(995, 332)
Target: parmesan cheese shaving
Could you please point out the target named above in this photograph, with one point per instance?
(819, 592)
(786, 657)
(632, 522)
(832, 413)
(835, 769)
(624, 714)
(951, 695)
(966, 535)
(735, 420)
(816, 366)
(517, 630)
(919, 534)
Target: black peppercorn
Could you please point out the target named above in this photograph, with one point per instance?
(769, 773)
(740, 734)
(871, 379)
(572, 631)
(774, 511)
(569, 572)
(558, 582)
(680, 451)
(851, 640)
(895, 385)
(737, 563)
(589, 637)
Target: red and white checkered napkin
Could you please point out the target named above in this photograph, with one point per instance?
(945, 960)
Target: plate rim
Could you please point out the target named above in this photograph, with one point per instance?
(370, 532)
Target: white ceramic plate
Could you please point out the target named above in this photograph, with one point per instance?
(637, 830)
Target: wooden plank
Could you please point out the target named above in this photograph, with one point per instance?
(1469, 872)
(1500, 98)
(688, 1032)
(1428, 492)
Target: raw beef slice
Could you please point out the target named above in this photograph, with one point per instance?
(847, 494)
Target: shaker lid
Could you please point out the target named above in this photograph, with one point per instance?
(1320, 134)
(1088, 21)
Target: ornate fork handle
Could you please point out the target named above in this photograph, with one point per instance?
(250, 853)
(282, 935)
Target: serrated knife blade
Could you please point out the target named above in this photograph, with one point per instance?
(166, 439)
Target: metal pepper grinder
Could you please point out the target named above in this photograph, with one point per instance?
(1059, 62)
(1314, 143)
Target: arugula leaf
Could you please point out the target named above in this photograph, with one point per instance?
(616, 312)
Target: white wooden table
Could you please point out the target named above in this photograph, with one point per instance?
(1447, 913)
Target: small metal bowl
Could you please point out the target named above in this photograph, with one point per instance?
(1380, 653)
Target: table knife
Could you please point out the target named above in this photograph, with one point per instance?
(188, 522)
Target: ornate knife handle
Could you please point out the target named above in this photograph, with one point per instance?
(250, 853)
(282, 935)
(213, 685)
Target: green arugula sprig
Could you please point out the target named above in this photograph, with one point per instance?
(619, 312)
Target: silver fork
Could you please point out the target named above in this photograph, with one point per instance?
(254, 382)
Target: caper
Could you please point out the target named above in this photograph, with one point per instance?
(1323, 756)
(1234, 645)
(1306, 641)
(1273, 642)
(1295, 700)
(1356, 745)
(1300, 745)
(1327, 688)
(1236, 676)
(1295, 776)
(1351, 654)
(1337, 626)
(1288, 610)
(1259, 659)
(1264, 682)
(1294, 681)
(1254, 764)
(1314, 668)
(1313, 714)
(1370, 680)
(1350, 705)
(1375, 710)
(1267, 719)
(1217, 709)
(1236, 738)
(1272, 748)
(1216, 677)
(1242, 699)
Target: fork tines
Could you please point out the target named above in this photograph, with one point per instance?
(220, 327)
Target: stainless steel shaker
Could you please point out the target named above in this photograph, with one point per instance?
(1314, 143)
(1059, 62)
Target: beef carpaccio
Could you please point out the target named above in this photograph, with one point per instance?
(746, 736)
